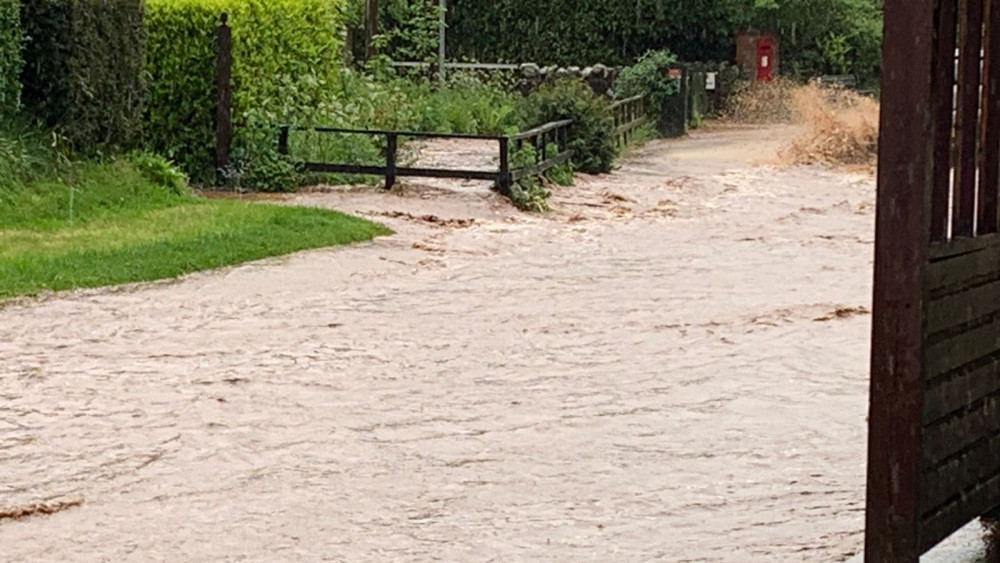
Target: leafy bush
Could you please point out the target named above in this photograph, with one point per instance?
(463, 105)
(286, 55)
(528, 193)
(83, 72)
(160, 171)
(10, 55)
(592, 135)
(268, 171)
(650, 77)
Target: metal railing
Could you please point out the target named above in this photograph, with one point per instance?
(541, 138)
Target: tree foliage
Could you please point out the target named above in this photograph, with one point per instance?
(819, 36)
(10, 55)
(826, 36)
(650, 77)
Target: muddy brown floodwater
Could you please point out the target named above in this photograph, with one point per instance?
(671, 366)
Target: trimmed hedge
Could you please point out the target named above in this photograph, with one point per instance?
(10, 55)
(286, 54)
(83, 72)
(584, 32)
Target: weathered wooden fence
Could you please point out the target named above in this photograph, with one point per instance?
(934, 425)
(630, 114)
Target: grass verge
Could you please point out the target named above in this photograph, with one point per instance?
(117, 226)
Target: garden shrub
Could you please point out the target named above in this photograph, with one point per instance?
(592, 135)
(650, 76)
(286, 55)
(10, 55)
(160, 171)
(83, 73)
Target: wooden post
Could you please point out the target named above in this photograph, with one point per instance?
(371, 27)
(905, 178)
(442, 27)
(504, 183)
(391, 140)
(989, 186)
(224, 98)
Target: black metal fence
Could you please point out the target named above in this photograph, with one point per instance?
(550, 143)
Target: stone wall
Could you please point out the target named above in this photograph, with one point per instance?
(600, 78)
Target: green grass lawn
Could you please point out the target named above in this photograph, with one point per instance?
(126, 228)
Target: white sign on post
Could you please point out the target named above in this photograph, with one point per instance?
(710, 81)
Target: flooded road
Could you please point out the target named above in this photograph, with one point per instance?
(672, 366)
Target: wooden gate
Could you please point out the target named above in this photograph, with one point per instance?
(934, 425)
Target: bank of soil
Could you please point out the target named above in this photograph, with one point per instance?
(671, 366)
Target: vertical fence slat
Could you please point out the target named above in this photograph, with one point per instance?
(224, 100)
(990, 129)
(944, 107)
(970, 26)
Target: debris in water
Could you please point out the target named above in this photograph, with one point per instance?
(24, 511)
(843, 313)
(432, 219)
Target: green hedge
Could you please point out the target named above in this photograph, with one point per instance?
(286, 54)
(10, 54)
(585, 32)
(83, 72)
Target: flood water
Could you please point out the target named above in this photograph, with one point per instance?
(672, 366)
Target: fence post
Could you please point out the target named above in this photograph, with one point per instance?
(673, 110)
(390, 159)
(503, 184)
(224, 98)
